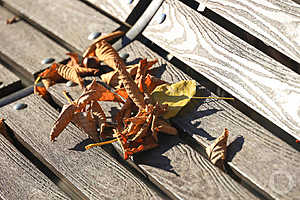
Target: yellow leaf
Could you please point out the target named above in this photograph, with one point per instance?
(176, 95)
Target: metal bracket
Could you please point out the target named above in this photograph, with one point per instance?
(139, 26)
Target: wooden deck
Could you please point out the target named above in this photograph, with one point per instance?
(247, 49)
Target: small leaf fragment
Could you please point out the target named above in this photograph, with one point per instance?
(217, 151)
(176, 95)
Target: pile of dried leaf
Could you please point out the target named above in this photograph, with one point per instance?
(147, 101)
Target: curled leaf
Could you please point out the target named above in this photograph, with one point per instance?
(217, 151)
(130, 86)
(70, 73)
(106, 53)
(64, 118)
(176, 96)
(91, 49)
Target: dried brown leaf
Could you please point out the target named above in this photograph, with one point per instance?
(70, 73)
(130, 86)
(63, 120)
(51, 73)
(12, 20)
(74, 62)
(106, 53)
(84, 121)
(216, 152)
(91, 49)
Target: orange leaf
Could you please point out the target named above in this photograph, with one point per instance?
(74, 59)
(40, 90)
(152, 82)
(51, 73)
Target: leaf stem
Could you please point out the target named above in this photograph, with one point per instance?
(227, 98)
(100, 144)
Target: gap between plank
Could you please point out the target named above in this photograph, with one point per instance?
(40, 28)
(57, 178)
(135, 170)
(246, 36)
(214, 88)
(253, 115)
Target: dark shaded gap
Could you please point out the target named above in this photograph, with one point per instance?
(186, 137)
(25, 76)
(108, 15)
(115, 152)
(56, 177)
(211, 86)
(246, 36)
(39, 27)
(237, 104)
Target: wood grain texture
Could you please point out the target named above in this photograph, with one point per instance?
(175, 166)
(93, 172)
(263, 84)
(9, 82)
(69, 20)
(254, 152)
(20, 179)
(24, 47)
(275, 22)
(120, 9)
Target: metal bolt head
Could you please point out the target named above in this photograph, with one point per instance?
(20, 106)
(94, 35)
(124, 56)
(70, 84)
(48, 60)
(162, 18)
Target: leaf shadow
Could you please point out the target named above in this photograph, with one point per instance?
(191, 114)
(156, 158)
(81, 145)
(234, 147)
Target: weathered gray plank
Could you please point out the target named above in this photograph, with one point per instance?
(120, 9)
(260, 82)
(24, 47)
(93, 172)
(69, 20)
(175, 166)
(20, 179)
(274, 22)
(254, 152)
(9, 82)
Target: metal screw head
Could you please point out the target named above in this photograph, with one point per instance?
(130, 1)
(124, 56)
(94, 35)
(20, 106)
(47, 60)
(162, 18)
(70, 84)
